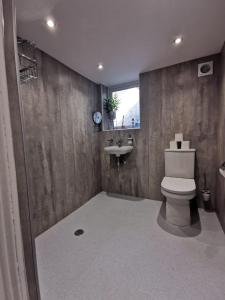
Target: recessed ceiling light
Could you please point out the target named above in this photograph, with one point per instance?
(100, 67)
(178, 40)
(50, 23)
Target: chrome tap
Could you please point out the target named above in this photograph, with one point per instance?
(130, 140)
(119, 143)
(110, 141)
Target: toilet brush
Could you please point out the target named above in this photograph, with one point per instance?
(205, 192)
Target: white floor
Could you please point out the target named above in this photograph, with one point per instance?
(125, 255)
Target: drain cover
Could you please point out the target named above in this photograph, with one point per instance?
(79, 232)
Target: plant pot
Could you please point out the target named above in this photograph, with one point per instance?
(112, 115)
(206, 195)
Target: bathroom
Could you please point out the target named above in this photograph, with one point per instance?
(113, 127)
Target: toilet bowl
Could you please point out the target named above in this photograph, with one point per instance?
(178, 193)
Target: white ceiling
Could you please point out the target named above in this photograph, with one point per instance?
(127, 36)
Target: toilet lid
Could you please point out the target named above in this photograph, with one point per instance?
(178, 185)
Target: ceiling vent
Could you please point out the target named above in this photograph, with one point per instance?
(205, 69)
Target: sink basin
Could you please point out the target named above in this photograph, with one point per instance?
(116, 150)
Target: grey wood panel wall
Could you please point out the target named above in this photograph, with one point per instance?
(220, 198)
(173, 99)
(61, 144)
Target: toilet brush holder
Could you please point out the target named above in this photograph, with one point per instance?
(206, 195)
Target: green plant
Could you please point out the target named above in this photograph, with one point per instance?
(111, 103)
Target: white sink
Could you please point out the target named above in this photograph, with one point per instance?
(116, 150)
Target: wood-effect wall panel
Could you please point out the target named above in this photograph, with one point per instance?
(61, 144)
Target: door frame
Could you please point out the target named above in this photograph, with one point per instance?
(13, 281)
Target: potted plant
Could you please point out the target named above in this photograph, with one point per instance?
(206, 194)
(111, 105)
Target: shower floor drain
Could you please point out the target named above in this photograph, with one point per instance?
(79, 232)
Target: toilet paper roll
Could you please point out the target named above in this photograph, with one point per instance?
(173, 145)
(178, 137)
(185, 145)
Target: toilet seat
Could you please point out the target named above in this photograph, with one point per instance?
(181, 186)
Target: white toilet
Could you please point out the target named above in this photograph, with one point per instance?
(178, 185)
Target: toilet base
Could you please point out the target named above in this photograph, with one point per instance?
(178, 212)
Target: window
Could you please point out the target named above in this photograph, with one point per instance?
(127, 116)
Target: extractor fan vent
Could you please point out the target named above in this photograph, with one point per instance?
(205, 69)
